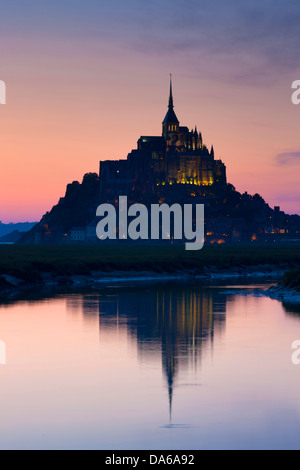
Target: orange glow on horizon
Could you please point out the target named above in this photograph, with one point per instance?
(59, 122)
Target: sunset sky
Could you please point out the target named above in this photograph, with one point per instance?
(86, 78)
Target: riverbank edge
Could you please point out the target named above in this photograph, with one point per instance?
(284, 294)
(10, 284)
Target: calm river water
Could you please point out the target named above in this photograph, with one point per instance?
(169, 366)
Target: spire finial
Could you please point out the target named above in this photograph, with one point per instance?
(171, 105)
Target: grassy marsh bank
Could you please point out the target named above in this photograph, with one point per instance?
(30, 262)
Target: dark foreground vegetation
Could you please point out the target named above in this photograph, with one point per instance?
(30, 263)
(291, 279)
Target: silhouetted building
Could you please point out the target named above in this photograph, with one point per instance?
(178, 156)
(175, 167)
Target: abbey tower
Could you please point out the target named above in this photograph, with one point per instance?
(177, 158)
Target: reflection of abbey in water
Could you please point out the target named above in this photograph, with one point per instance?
(178, 156)
(176, 321)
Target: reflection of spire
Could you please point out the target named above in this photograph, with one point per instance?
(170, 366)
(170, 398)
(181, 320)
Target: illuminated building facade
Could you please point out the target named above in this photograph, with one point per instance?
(177, 157)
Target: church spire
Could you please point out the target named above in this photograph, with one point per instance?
(170, 122)
(171, 104)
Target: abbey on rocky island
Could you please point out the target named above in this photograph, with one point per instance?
(178, 157)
